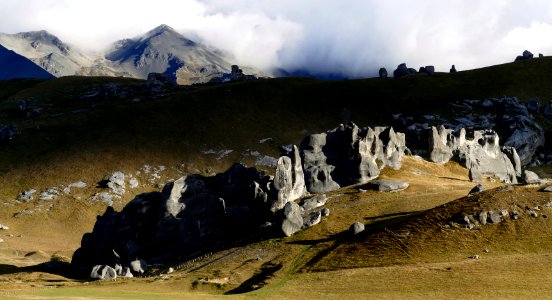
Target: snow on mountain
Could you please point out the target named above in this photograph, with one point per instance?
(13, 65)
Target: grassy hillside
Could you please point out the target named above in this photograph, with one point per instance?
(78, 135)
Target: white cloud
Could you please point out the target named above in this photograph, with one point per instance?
(354, 37)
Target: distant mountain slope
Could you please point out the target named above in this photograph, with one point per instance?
(13, 65)
(56, 57)
(163, 50)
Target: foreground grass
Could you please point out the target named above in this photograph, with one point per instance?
(520, 276)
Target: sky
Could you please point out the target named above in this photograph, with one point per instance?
(353, 38)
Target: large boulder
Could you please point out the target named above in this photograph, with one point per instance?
(386, 185)
(138, 266)
(530, 177)
(103, 272)
(524, 56)
(292, 219)
(403, 70)
(383, 73)
(312, 219)
(314, 202)
(356, 228)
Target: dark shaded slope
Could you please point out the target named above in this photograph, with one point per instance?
(13, 65)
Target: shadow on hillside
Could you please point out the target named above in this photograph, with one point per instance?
(53, 267)
(257, 281)
(390, 220)
(453, 178)
(393, 216)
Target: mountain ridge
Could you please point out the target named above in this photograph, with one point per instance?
(160, 50)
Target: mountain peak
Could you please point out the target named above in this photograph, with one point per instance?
(160, 30)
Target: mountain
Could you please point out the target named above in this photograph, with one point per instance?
(13, 65)
(163, 50)
(56, 57)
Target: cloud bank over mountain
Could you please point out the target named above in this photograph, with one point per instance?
(352, 37)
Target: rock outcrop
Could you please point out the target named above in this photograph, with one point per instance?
(403, 70)
(481, 153)
(383, 73)
(453, 69)
(289, 180)
(524, 56)
(349, 155)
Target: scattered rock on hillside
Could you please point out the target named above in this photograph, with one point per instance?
(494, 216)
(126, 273)
(314, 202)
(383, 73)
(453, 69)
(547, 189)
(4, 227)
(49, 194)
(78, 184)
(26, 196)
(8, 132)
(103, 272)
(386, 185)
(356, 228)
(524, 56)
(133, 183)
(477, 189)
(312, 219)
(104, 197)
(533, 105)
(530, 177)
(116, 183)
(325, 212)
(293, 221)
(139, 266)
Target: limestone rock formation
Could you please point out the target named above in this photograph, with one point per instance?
(481, 154)
(440, 145)
(349, 155)
(318, 178)
(289, 181)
